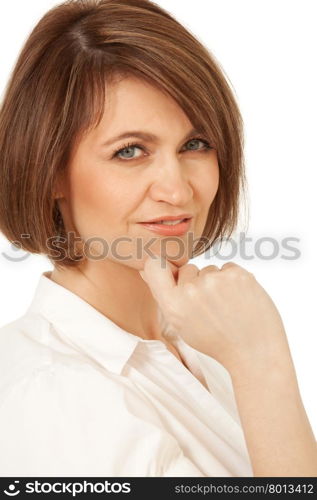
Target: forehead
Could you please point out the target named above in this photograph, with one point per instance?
(132, 103)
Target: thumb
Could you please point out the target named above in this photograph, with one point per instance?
(158, 274)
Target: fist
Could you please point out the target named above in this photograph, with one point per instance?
(224, 313)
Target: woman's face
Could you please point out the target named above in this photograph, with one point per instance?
(108, 193)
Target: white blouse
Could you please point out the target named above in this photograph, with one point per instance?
(80, 396)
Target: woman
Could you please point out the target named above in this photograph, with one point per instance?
(122, 152)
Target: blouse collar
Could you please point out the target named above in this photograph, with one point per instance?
(84, 327)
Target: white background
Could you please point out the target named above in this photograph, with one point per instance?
(268, 51)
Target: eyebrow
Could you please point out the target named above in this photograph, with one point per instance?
(146, 136)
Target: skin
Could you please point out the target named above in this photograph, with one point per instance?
(216, 311)
(228, 315)
(105, 197)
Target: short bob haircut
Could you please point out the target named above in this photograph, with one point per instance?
(57, 91)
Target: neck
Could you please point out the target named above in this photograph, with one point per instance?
(115, 290)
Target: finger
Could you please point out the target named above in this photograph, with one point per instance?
(159, 276)
(229, 264)
(187, 273)
(208, 270)
(233, 265)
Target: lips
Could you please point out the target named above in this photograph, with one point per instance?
(177, 229)
(180, 217)
(168, 222)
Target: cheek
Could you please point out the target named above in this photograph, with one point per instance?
(207, 183)
(92, 202)
(99, 200)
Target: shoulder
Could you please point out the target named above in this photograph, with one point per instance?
(20, 349)
(36, 363)
(70, 418)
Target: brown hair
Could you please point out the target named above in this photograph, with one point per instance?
(56, 92)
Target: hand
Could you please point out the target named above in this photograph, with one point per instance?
(223, 313)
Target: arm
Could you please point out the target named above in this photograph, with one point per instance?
(217, 312)
(278, 434)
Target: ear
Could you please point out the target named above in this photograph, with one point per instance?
(58, 190)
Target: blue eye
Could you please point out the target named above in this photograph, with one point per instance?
(128, 149)
(206, 144)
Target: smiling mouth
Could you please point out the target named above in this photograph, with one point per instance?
(168, 222)
(169, 227)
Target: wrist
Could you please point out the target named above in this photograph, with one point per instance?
(277, 369)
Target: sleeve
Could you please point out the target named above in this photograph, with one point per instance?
(181, 466)
(68, 421)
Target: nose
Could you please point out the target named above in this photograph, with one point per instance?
(171, 184)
